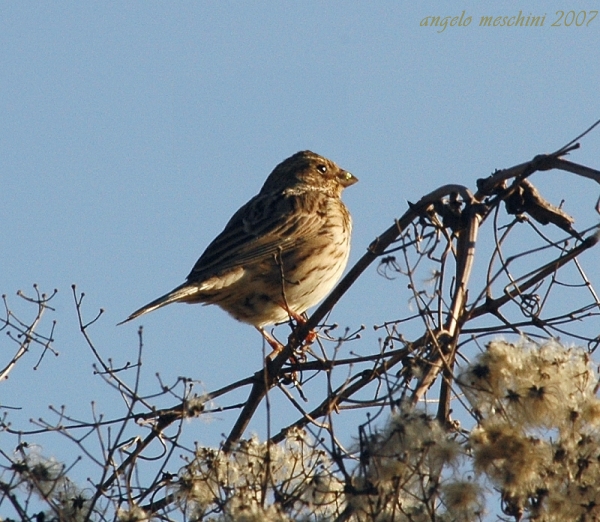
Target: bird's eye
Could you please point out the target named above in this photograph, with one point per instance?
(322, 169)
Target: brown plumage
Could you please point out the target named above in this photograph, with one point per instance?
(281, 253)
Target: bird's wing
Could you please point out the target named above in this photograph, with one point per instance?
(265, 225)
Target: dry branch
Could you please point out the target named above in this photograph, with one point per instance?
(442, 236)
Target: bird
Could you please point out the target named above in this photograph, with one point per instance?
(280, 253)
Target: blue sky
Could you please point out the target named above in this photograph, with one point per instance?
(130, 132)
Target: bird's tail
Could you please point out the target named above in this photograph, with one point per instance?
(181, 293)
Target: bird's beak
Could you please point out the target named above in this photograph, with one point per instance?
(347, 179)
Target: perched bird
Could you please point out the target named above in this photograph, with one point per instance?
(281, 253)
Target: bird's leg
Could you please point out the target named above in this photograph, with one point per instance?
(273, 343)
(277, 347)
(287, 378)
(301, 320)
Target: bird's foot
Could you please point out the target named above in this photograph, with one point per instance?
(300, 321)
(273, 343)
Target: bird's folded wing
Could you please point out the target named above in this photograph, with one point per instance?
(263, 227)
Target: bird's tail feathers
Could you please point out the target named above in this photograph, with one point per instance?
(178, 294)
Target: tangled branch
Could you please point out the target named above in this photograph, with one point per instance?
(497, 261)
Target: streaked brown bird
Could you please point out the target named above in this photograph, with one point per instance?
(281, 253)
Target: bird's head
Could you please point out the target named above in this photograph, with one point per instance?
(307, 170)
